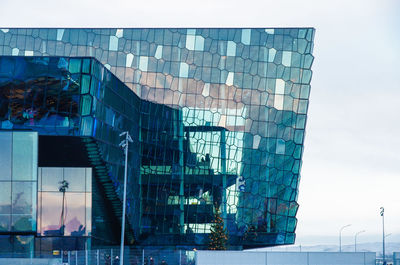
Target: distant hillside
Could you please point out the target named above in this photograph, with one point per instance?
(362, 247)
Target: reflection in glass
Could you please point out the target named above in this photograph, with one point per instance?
(50, 178)
(22, 222)
(5, 197)
(22, 197)
(50, 209)
(88, 212)
(75, 214)
(5, 155)
(88, 180)
(75, 178)
(24, 156)
(5, 220)
(71, 215)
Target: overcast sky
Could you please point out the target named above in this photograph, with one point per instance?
(351, 163)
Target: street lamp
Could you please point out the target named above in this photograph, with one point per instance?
(382, 213)
(124, 145)
(355, 239)
(340, 236)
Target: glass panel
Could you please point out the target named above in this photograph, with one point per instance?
(75, 178)
(286, 58)
(22, 197)
(23, 244)
(85, 84)
(184, 70)
(5, 220)
(88, 179)
(5, 243)
(51, 177)
(86, 126)
(246, 33)
(86, 104)
(22, 222)
(74, 66)
(280, 146)
(143, 63)
(5, 155)
(5, 197)
(231, 48)
(129, 60)
(88, 213)
(199, 46)
(24, 156)
(190, 41)
(280, 87)
(51, 205)
(113, 46)
(75, 214)
(158, 53)
(86, 66)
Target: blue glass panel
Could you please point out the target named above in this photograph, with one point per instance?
(25, 155)
(76, 178)
(85, 84)
(5, 155)
(75, 66)
(5, 197)
(5, 222)
(23, 194)
(50, 178)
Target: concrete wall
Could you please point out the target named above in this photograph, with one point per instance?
(284, 258)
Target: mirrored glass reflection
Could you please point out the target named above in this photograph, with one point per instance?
(66, 209)
(5, 155)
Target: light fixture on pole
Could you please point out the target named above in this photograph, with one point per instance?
(355, 239)
(124, 145)
(382, 213)
(340, 236)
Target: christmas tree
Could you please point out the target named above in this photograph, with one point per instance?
(218, 236)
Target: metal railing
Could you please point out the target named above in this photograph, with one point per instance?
(131, 257)
(109, 256)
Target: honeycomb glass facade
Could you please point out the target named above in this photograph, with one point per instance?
(217, 117)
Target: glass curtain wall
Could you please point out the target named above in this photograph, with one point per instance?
(18, 189)
(65, 201)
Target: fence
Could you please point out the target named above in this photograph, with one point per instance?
(131, 257)
(109, 256)
(284, 258)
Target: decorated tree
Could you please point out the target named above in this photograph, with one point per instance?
(218, 236)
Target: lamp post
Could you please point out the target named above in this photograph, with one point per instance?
(124, 145)
(382, 213)
(340, 236)
(355, 239)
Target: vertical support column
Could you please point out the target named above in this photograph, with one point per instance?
(97, 257)
(181, 175)
(223, 171)
(140, 177)
(143, 257)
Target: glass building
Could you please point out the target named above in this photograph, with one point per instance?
(217, 117)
